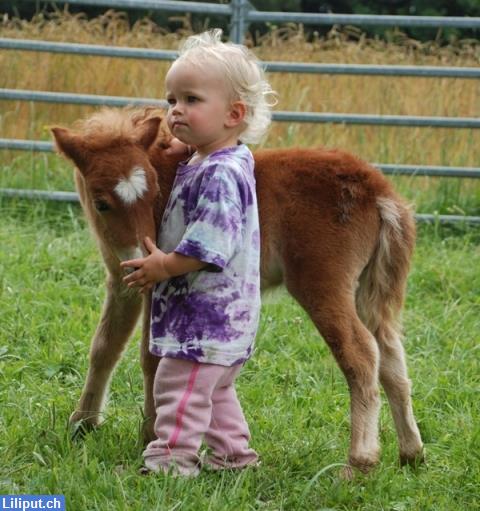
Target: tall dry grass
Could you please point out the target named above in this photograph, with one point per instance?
(302, 92)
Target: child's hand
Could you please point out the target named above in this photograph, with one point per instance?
(148, 270)
(178, 147)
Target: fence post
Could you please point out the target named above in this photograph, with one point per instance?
(238, 23)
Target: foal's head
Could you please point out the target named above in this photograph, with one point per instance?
(117, 184)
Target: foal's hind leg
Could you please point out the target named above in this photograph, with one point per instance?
(119, 316)
(355, 349)
(394, 379)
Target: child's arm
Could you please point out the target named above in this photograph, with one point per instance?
(158, 266)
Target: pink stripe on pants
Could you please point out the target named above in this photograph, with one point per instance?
(193, 401)
(181, 407)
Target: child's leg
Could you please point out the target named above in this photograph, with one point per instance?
(228, 434)
(182, 393)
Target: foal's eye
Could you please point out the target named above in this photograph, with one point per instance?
(101, 206)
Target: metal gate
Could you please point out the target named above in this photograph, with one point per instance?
(241, 13)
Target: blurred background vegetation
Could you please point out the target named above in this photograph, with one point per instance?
(28, 8)
(382, 95)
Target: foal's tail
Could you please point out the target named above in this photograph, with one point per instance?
(382, 284)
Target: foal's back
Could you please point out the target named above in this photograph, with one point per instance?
(318, 210)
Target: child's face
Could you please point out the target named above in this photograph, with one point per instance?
(200, 111)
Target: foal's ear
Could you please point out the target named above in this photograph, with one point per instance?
(70, 145)
(146, 131)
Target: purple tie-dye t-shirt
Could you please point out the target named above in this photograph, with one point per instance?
(211, 315)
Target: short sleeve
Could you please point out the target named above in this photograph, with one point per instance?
(215, 227)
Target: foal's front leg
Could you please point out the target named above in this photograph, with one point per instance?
(119, 316)
(149, 366)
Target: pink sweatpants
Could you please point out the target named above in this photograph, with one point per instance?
(195, 401)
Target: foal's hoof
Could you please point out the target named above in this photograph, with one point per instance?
(354, 466)
(79, 430)
(80, 426)
(413, 459)
(347, 473)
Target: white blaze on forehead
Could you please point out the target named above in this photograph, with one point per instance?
(132, 188)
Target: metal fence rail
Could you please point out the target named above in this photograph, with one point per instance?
(26, 145)
(271, 67)
(7, 43)
(364, 19)
(78, 99)
(40, 194)
(428, 170)
(74, 198)
(386, 168)
(156, 5)
(379, 120)
(242, 13)
(313, 117)
(250, 14)
(373, 70)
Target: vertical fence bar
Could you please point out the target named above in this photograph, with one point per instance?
(235, 21)
(238, 23)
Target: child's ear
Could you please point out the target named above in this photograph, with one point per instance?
(238, 111)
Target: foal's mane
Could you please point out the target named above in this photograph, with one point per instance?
(110, 126)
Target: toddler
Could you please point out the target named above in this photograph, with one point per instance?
(205, 271)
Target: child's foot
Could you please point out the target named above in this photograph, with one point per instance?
(173, 469)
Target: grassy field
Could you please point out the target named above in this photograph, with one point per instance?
(295, 399)
(294, 396)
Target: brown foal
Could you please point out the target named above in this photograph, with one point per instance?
(332, 230)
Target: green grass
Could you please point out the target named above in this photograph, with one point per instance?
(295, 399)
